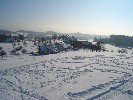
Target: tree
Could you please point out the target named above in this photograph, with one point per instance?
(2, 37)
(21, 37)
(95, 39)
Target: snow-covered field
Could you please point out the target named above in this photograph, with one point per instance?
(71, 75)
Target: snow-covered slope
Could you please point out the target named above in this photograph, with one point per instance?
(72, 75)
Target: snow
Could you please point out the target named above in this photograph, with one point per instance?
(71, 75)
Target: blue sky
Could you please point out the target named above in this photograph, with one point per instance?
(67, 16)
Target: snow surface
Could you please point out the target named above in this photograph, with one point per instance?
(72, 75)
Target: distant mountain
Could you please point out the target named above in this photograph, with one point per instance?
(77, 35)
(87, 36)
(5, 32)
(32, 32)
